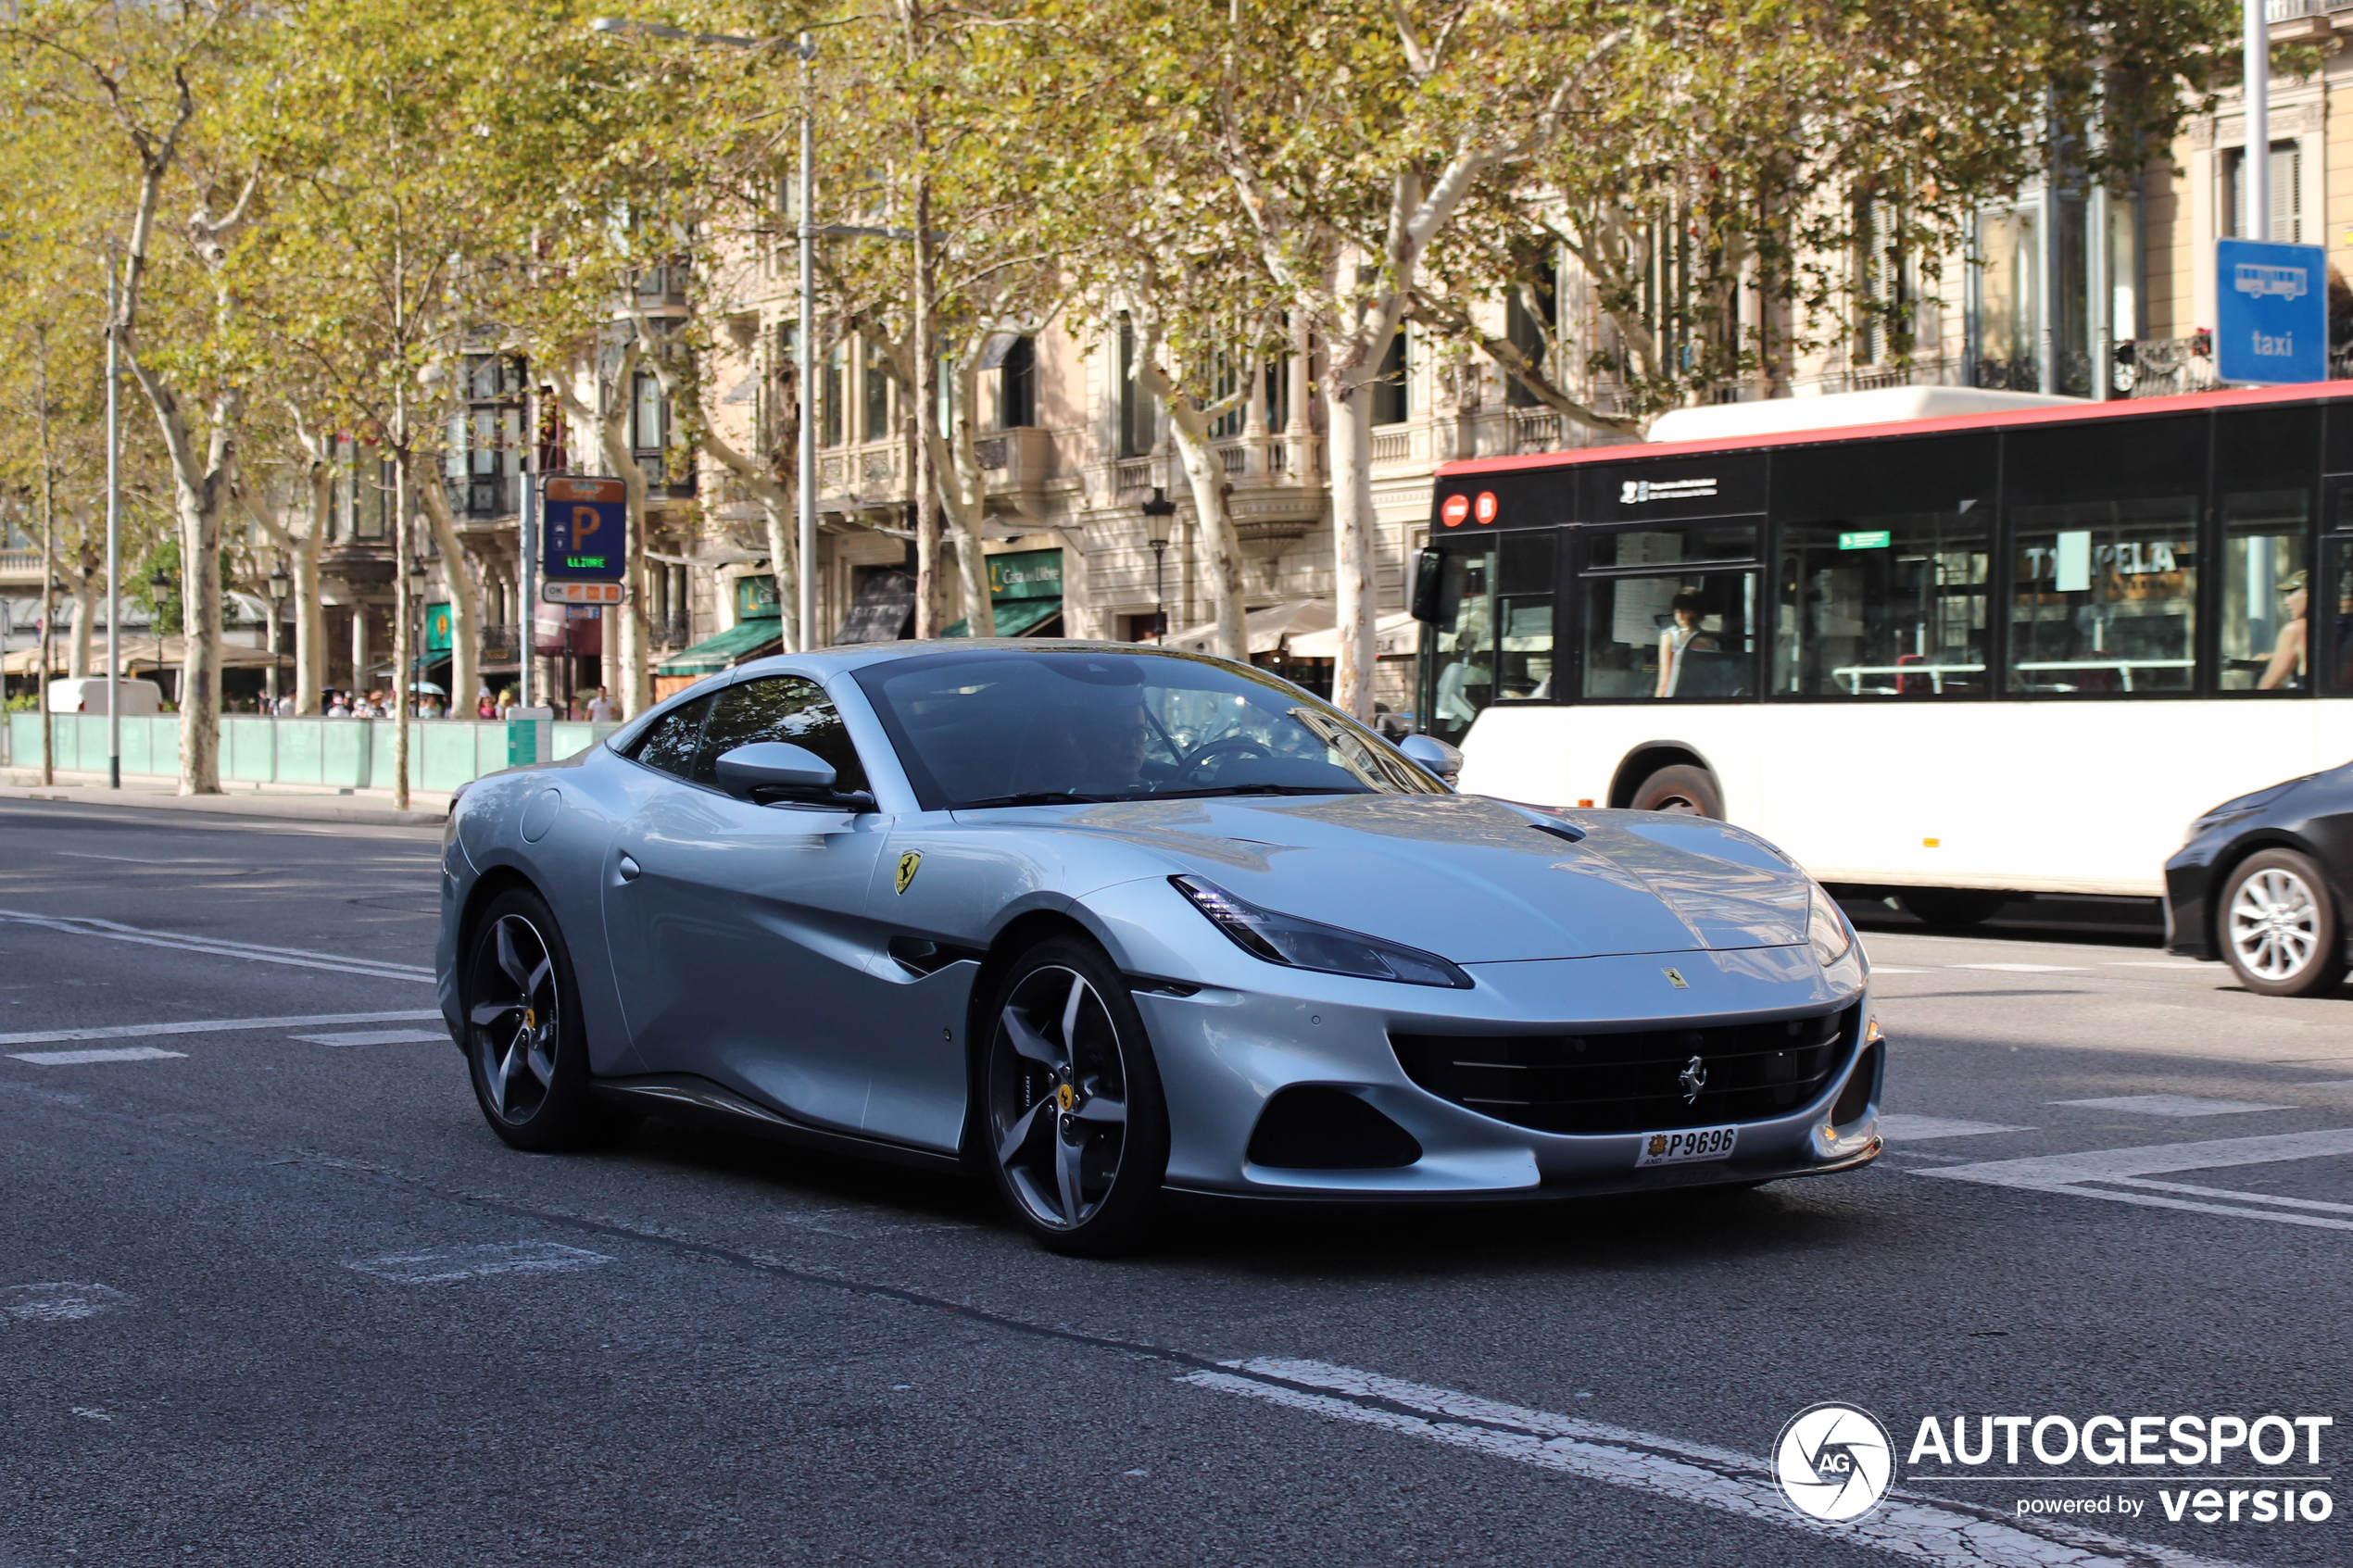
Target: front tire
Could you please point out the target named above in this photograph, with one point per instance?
(1073, 1126)
(526, 1049)
(2279, 931)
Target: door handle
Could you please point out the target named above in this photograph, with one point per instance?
(629, 869)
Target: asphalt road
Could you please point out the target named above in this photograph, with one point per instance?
(272, 1299)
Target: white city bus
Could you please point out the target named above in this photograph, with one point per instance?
(2013, 650)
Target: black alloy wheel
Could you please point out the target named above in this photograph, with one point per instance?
(1072, 1128)
(524, 1045)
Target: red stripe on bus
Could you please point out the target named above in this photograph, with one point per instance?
(2306, 391)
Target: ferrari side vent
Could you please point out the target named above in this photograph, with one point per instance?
(1316, 1128)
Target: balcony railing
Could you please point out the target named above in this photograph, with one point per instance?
(671, 632)
(1536, 429)
(485, 494)
(500, 644)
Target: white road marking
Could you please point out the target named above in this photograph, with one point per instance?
(2156, 963)
(1897, 1127)
(1893, 969)
(2170, 1105)
(2326, 1083)
(2234, 1193)
(2067, 1172)
(379, 1037)
(76, 1058)
(300, 958)
(474, 1262)
(1908, 1525)
(2027, 968)
(60, 1301)
(215, 1027)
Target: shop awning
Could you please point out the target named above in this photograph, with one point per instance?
(745, 639)
(1267, 629)
(1394, 634)
(1014, 618)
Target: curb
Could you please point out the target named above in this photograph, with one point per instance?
(284, 807)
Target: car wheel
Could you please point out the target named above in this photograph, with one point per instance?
(2279, 926)
(1072, 1124)
(1954, 906)
(1680, 789)
(525, 1047)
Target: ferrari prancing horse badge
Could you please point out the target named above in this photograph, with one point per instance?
(907, 864)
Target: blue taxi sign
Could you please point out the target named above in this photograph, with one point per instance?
(2271, 320)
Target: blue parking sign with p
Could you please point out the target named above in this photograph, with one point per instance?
(2272, 320)
(585, 529)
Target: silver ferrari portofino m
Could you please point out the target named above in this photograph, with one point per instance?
(1112, 925)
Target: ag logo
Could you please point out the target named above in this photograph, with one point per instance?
(907, 864)
(1835, 1461)
(1675, 978)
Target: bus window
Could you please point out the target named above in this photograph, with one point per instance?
(1462, 642)
(1884, 570)
(1523, 617)
(2265, 600)
(1892, 604)
(1493, 638)
(2103, 549)
(1686, 635)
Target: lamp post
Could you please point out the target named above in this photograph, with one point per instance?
(418, 661)
(279, 585)
(1160, 516)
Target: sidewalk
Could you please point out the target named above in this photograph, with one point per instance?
(310, 803)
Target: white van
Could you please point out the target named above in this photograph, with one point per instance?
(87, 694)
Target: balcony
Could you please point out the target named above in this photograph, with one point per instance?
(485, 495)
(1017, 462)
(2294, 20)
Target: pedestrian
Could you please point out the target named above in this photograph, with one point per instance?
(485, 706)
(601, 710)
(284, 708)
(337, 707)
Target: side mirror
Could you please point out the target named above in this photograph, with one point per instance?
(1435, 755)
(1429, 572)
(771, 772)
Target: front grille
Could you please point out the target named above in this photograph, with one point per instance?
(1630, 1080)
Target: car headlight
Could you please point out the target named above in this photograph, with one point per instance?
(1306, 943)
(1825, 929)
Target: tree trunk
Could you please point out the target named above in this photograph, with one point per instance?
(85, 611)
(199, 508)
(465, 597)
(1349, 442)
(311, 625)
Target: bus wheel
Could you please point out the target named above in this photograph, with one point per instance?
(1680, 789)
(1954, 906)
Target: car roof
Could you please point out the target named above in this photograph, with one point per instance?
(858, 656)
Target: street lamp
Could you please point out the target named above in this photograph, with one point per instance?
(159, 583)
(1160, 516)
(279, 585)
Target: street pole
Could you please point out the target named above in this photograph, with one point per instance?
(48, 573)
(2255, 163)
(114, 546)
(805, 492)
(527, 605)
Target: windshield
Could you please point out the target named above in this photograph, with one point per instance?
(1006, 727)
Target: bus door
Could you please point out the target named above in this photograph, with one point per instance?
(1486, 605)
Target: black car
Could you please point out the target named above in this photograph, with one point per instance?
(2261, 883)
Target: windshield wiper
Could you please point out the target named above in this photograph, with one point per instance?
(1036, 797)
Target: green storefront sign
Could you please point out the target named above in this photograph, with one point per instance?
(1026, 574)
(437, 628)
(755, 597)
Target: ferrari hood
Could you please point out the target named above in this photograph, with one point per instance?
(1471, 878)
